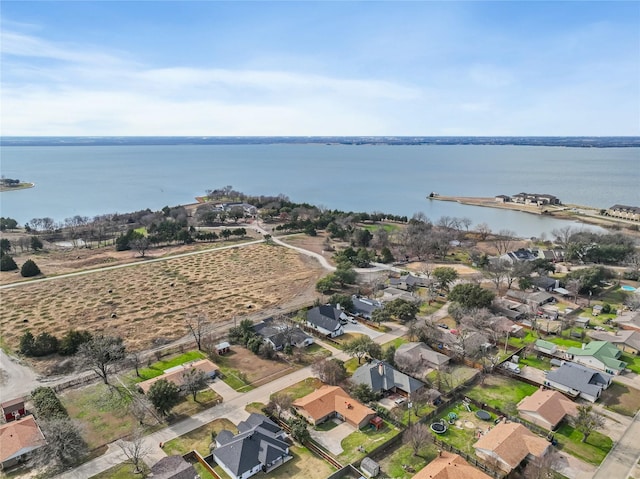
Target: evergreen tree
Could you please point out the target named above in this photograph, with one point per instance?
(164, 396)
(7, 263)
(29, 269)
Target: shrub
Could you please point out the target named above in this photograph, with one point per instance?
(46, 404)
(7, 263)
(29, 269)
(72, 340)
(606, 308)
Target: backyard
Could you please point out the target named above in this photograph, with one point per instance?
(499, 391)
(199, 439)
(464, 431)
(393, 461)
(621, 399)
(360, 443)
(592, 451)
(304, 465)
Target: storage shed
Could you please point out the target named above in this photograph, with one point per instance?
(369, 467)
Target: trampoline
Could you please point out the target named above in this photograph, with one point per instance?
(484, 415)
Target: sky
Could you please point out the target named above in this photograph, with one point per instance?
(339, 68)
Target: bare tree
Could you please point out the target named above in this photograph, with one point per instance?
(330, 371)
(542, 467)
(135, 449)
(281, 402)
(562, 236)
(101, 354)
(483, 230)
(196, 323)
(632, 301)
(587, 421)
(503, 241)
(193, 381)
(141, 245)
(64, 443)
(135, 359)
(418, 436)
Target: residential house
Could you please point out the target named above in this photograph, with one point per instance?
(18, 441)
(545, 283)
(448, 465)
(464, 342)
(600, 355)
(553, 255)
(520, 255)
(409, 282)
(13, 409)
(625, 212)
(173, 467)
(258, 446)
(326, 320)
(176, 374)
(508, 444)
(279, 336)
(419, 358)
(626, 340)
(333, 401)
(364, 307)
(629, 321)
(546, 408)
(502, 199)
(391, 294)
(578, 380)
(545, 346)
(384, 379)
(535, 300)
(535, 199)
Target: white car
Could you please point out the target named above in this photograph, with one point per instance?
(353, 320)
(400, 401)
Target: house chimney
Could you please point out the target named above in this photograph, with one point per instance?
(338, 307)
(381, 369)
(584, 345)
(557, 283)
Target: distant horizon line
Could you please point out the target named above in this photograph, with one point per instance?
(320, 136)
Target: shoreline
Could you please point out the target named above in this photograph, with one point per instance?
(584, 214)
(21, 186)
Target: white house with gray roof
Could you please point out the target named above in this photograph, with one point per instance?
(578, 380)
(326, 320)
(258, 446)
(365, 307)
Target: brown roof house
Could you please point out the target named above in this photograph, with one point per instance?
(18, 440)
(450, 466)
(508, 444)
(332, 401)
(546, 408)
(176, 374)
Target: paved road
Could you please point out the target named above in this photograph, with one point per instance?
(622, 459)
(15, 379)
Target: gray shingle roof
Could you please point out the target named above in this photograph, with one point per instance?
(578, 377)
(365, 305)
(420, 351)
(370, 374)
(325, 316)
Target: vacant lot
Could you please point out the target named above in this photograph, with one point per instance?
(244, 370)
(621, 399)
(148, 302)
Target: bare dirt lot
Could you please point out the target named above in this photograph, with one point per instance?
(149, 301)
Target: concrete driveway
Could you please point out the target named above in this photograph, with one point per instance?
(331, 440)
(362, 329)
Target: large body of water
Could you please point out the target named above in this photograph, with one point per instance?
(92, 180)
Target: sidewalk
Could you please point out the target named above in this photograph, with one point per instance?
(622, 459)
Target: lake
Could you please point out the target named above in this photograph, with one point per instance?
(92, 180)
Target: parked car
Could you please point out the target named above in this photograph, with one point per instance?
(400, 401)
(443, 326)
(353, 320)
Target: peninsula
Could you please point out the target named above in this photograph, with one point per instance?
(9, 184)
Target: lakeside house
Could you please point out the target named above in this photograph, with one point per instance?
(600, 355)
(519, 255)
(333, 401)
(625, 212)
(546, 408)
(508, 444)
(538, 199)
(577, 380)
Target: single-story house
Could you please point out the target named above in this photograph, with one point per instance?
(578, 380)
(544, 283)
(629, 321)
(365, 307)
(258, 446)
(448, 465)
(173, 467)
(280, 337)
(508, 444)
(502, 199)
(626, 340)
(545, 346)
(408, 282)
(391, 294)
(176, 374)
(582, 321)
(326, 320)
(553, 255)
(13, 409)
(382, 378)
(546, 408)
(519, 255)
(419, 358)
(18, 440)
(535, 300)
(333, 401)
(600, 355)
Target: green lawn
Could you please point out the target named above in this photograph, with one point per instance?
(391, 464)
(158, 368)
(386, 226)
(235, 379)
(187, 407)
(198, 439)
(121, 471)
(593, 451)
(352, 364)
(633, 362)
(451, 378)
(368, 438)
(302, 388)
(621, 399)
(304, 465)
(499, 390)
(543, 363)
(528, 338)
(461, 438)
(202, 472)
(395, 342)
(565, 342)
(256, 407)
(423, 411)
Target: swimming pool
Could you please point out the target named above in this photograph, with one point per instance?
(627, 288)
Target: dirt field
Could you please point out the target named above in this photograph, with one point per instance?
(256, 369)
(149, 301)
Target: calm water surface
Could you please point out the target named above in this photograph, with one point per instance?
(91, 180)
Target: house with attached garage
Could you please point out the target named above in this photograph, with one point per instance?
(364, 307)
(259, 446)
(600, 355)
(546, 408)
(577, 380)
(333, 401)
(325, 319)
(384, 379)
(627, 341)
(419, 358)
(280, 335)
(176, 374)
(448, 465)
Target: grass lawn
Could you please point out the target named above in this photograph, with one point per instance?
(452, 378)
(304, 465)
(352, 364)
(528, 338)
(633, 362)
(368, 438)
(498, 390)
(621, 399)
(102, 410)
(543, 362)
(564, 342)
(593, 451)
(121, 471)
(461, 437)
(345, 338)
(302, 388)
(395, 342)
(202, 472)
(198, 439)
(423, 411)
(188, 407)
(386, 226)
(158, 368)
(235, 379)
(391, 464)
(256, 407)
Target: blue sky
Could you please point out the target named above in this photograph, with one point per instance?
(320, 68)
